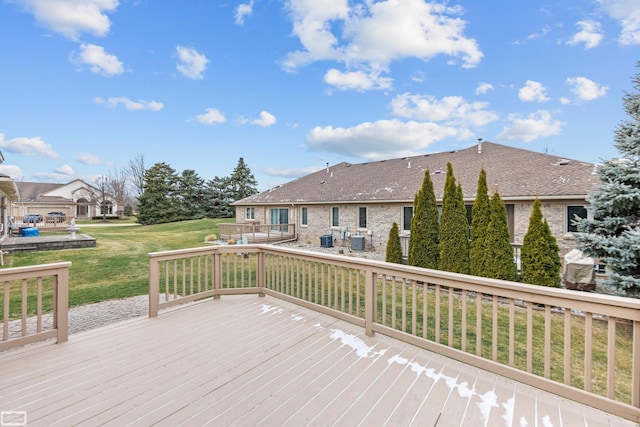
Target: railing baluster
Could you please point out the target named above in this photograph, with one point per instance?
(479, 323)
(450, 322)
(588, 335)
(39, 306)
(529, 336)
(611, 357)
(24, 307)
(437, 303)
(494, 332)
(512, 331)
(567, 345)
(547, 341)
(463, 321)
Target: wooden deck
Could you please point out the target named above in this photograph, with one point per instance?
(247, 361)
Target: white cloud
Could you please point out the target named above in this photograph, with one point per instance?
(586, 89)
(129, 104)
(192, 64)
(536, 125)
(590, 34)
(533, 91)
(28, 147)
(64, 170)
(371, 35)
(356, 80)
(89, 159)
(628, 13)
(266, 119)
(381, 139)
(98, 60)
(71, 17)
(244, 9)
(212, 116)
(451, 110)
(483, 88)
(12, 171)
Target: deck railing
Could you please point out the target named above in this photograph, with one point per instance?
(256, 233)
(582, 346)
(34, 304)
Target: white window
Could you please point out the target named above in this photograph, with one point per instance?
(304, 216)
(250, 213)
(335, 216)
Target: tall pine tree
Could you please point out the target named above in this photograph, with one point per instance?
(242, 182)
(613, 235)
(394, 247)
(454, 228)
(540, 253)
(499, 263)
(425, 229)
(158, 202)
(480, 217)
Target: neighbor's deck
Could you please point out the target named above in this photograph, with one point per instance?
(245, 360)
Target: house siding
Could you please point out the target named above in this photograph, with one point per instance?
(380, 217)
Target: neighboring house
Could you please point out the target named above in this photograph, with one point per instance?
(365, 199)
(8, 193)
(74, 199)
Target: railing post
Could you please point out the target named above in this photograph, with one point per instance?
(635, 369)
(217, 273)
(261, 280)
(154, 287)
(62, 304)
(369, 301)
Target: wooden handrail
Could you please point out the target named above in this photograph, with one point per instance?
(29, 283)
(440, 311)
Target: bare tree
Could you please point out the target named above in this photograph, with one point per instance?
(134, 174)
(117, 188)
(102, 197)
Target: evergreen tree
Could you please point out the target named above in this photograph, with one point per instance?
(480, 217)
(158, 203)
(218, 198)
(613, 235)
(499, 263)
(242, 183)
(394, 247)
(540, 253)
(425, 229)
(454, 228)
(191, 195)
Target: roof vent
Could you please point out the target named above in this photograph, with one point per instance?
(409, 165)
(563, 162)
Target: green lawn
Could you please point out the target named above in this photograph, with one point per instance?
(118, 267)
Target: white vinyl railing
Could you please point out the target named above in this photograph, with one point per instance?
(579, 345)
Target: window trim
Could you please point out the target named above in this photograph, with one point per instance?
(250, 213)
(568, 228)
(407, 227)
(366, 217)
(335, 216)
(304, 216)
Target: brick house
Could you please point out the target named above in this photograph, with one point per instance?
(364, 199)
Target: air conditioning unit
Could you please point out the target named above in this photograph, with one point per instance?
(357, 243)
(326, 241)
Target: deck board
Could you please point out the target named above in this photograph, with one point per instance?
(244, 360)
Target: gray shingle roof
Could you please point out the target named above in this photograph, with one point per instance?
(34, 191)
(514, 172)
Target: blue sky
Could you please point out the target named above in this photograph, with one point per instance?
(290, 85)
